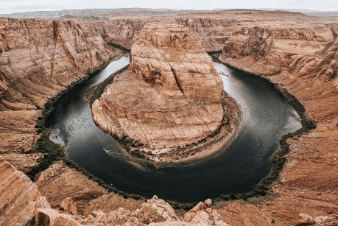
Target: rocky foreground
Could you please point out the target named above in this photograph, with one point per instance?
(171, 96)
(296, 51)
(22, 204)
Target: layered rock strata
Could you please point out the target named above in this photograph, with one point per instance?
(302, 58)
(38, 60)
(170, 97)
(19, 196)
(21, 203)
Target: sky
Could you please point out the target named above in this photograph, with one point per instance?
(12, 6)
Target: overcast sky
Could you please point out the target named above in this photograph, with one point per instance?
(11, 6)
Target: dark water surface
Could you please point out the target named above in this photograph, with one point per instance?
(236, 168)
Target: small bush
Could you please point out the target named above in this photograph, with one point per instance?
(333, 75)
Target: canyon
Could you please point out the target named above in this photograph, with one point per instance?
(41, 59)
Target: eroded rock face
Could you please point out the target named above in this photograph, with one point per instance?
(277, 46)
(170, 96)
(169, 56)
(122, 31)
(38, 60)
(58, 182)
(302, 58)
(19, 196)
(156, 212)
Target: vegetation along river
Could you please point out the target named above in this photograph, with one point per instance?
(236, 168)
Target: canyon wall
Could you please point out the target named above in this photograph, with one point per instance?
(21, 203)
(300, 54)
(123, 32)
(38, 60)
(19, 196)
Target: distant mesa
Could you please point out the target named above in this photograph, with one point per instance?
(170, 104)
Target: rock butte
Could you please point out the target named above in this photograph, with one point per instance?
(171, 96)
(297, 51)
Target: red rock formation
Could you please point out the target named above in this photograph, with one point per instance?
(171, 96)
(19, 196)
(302, 58)
(39, 59)
(169, 56)
(123, 32)
(58, 182)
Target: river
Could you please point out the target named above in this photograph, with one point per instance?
(236, 168)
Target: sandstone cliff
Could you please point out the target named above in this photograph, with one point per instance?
(22, 204)
(39, 59)
(121, 31)
(19, 196)
(171, 96)
(269, 51)
(292, 30)
(300, 54)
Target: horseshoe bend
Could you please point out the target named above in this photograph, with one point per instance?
(172, 105)
(171, 97)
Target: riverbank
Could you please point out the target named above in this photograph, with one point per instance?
(260, 190)
(113, 165)
(177, 154)
(278, 159)
(294, 178)
(51, 151)
(169, 105)
(55, 165)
